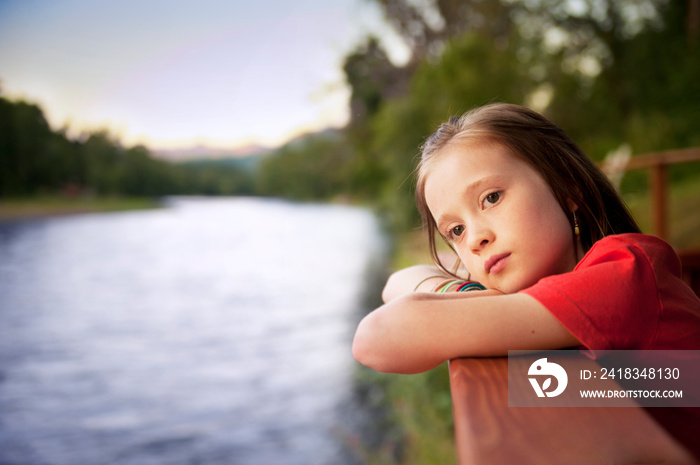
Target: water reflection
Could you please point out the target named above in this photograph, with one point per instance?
(213, 331)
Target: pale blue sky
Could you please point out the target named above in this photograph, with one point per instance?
(179, 73)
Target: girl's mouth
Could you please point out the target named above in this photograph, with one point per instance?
(495, 263)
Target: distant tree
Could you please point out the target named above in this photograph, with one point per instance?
(25, 158)
(425, 26)
(631, 72)
(104, 163)
(314, 168)
(35, 159)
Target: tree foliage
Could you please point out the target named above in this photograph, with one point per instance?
(34, 159)
(610, 72)
(310, 169)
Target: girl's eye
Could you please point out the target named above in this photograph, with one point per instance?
(456, 232)
(492, 198)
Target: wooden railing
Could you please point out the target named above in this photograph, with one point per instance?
(489, 432)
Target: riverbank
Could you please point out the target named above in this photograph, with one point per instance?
(47, 206)
(414, 423)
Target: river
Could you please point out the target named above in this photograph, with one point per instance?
(212, 331)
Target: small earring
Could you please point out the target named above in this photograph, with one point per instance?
(577, 230)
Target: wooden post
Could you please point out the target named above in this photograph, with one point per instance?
(693, 21)
(658, 181)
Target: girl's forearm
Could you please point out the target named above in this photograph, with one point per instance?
(400, 336)
(420, 331)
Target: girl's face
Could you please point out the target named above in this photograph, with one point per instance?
(501, 217)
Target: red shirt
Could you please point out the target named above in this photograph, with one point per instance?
(625, 294)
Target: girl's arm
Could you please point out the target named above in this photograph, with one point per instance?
(418, 332)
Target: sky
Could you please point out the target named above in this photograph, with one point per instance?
(178, 73)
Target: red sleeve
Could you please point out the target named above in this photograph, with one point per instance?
(611, 299)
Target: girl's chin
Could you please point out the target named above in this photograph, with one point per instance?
(509, 286)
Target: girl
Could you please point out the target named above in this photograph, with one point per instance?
(542, 229)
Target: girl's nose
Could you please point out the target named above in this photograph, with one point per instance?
(480, 235)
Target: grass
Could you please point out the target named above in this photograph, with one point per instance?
(43, 206)
(418, 427)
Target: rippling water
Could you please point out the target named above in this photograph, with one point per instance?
(212, 332)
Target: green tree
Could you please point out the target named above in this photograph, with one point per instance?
(314, 168)
(25, 158)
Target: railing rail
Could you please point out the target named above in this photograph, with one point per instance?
(489, 432)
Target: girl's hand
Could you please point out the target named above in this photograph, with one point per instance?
(419, 278)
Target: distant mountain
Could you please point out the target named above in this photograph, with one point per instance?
(202, 152)
(210, 154)
(324, 133)
(247, 158)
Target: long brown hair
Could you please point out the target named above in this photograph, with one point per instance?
(528, 135)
